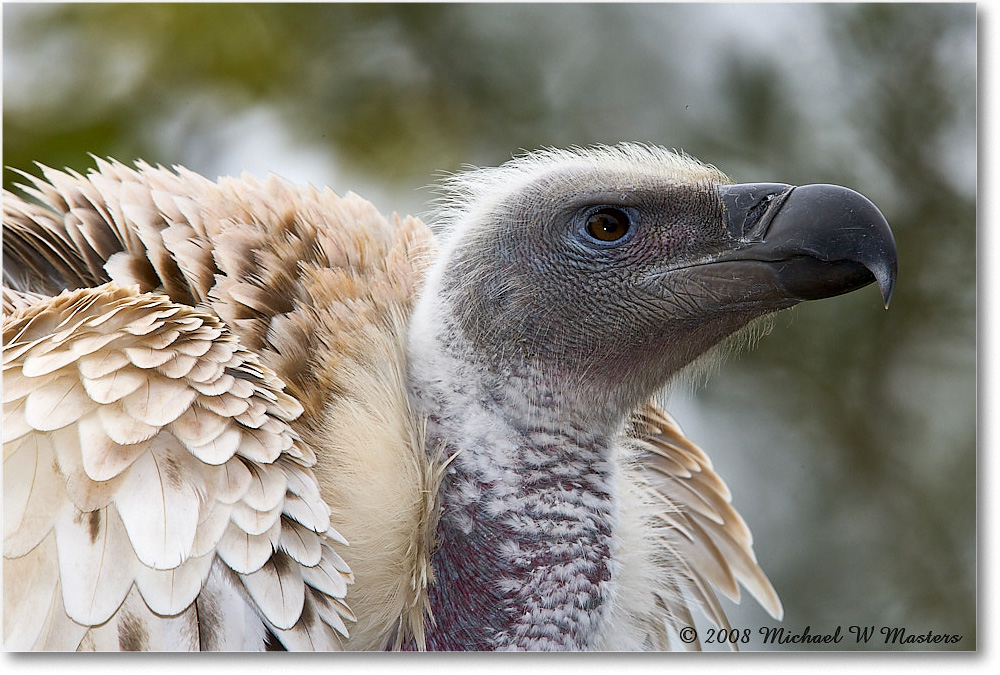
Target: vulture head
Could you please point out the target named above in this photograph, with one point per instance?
(603, 272)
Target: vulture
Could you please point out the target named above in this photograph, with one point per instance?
(245, 414)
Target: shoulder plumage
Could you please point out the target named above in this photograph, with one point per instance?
(263, 255)
(217, 328)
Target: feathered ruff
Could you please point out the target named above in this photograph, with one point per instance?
(383, 489)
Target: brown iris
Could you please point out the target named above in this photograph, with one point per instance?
(608, 224)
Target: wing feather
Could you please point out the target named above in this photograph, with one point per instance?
(97, 564)
(159, 504)
(121, 498)
(298, 542)
(277, 589)
(218, 449)
(104, 459)
(244, 552)
(29, 518)
(170, 591)
(30, 584)
(56, 404)
(252, 521)
(101, 364)
(84, 492)
(114, 385)
(705, 534)
(212, 525)
(122, 428)
(229, 481)
(328, 575)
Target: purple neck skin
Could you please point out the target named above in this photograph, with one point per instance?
(524, 561)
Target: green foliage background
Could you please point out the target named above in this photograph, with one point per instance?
(848, 436)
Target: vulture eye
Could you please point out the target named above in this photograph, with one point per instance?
(608, 224)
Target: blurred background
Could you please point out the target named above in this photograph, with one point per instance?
(848, 436)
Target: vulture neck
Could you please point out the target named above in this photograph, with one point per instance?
(525, 537)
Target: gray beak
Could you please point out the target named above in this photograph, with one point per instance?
(824, 240)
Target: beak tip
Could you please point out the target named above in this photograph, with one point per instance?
(886, 280)
(883, 267)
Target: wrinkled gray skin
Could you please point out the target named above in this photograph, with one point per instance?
(595, 312)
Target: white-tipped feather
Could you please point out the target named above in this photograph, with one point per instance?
(706, 531)
(245, 552)
(158, 503)
(252, 521)
(28, 518)
(114, 385)
(300, 543)
(197, 426)
(267, 488)
(28, 604)
(216, 449)
(101, 364)
(278, 591)
(123, 428)
(104, 459)
(86, 493)
(171, 591)
(56, 404)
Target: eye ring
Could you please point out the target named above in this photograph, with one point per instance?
(608, 224)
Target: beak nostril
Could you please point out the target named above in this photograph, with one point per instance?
(749, 208)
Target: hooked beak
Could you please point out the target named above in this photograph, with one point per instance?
(821, 240)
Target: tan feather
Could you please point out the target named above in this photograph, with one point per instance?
(30, 586)
(164, 480)
(31, 508)
(122, 428)
(104, 459)
(56, 403)
(114, 386)
(244, 552)
(101, 364)
(297, 542)
(14, 425)
(97, 564)
(170, 591)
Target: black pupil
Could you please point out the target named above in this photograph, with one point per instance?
(608, 224)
